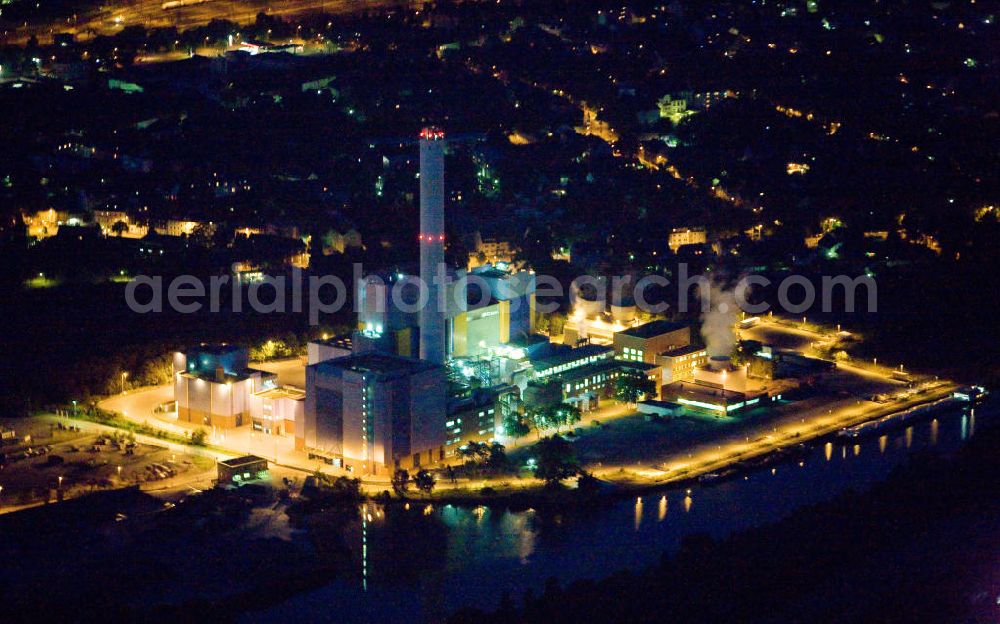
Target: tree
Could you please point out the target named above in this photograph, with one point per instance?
(542, 417)
(119, 227)
(542, 323)
(628, 388)
(587, 483)
(198, 437)
(400, 481)
(424, 481)
(486, 457)
(555, 415)
(567, 415)
(474, 452)
(555, 460)
(202, 235)
(348, 489)
(764, 369)
(514, 426)
(497, 460)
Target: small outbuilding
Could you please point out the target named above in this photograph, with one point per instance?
(240, 470)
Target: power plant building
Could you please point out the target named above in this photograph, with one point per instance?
(215, 387)
(328, 348)
(719, 389)
(373, 412)
(680, 364)
(643, 343)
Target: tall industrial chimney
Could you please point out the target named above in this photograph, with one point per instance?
(432, 324)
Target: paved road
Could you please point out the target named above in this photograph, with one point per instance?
(108, 19)
(139, 405)
(88, 426)
(781, 336)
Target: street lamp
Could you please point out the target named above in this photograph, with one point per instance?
(60, 482)
(119, 473)
(124, 376)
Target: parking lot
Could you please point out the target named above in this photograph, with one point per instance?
(49, 460)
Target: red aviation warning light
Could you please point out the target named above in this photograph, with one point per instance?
(432, 133)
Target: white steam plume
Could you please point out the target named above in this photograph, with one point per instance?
(719, 319)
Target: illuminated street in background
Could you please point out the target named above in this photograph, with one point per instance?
(111, 18)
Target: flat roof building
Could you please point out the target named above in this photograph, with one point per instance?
(643, 343)
(567, 358)
(277, 410)
(585, 386)
(240, 470)
(372, 412)
(213, 385)
(328, 349)
(711, 400)
(679, 364)
(686, 236)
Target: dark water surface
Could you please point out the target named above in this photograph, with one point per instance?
(423, 563)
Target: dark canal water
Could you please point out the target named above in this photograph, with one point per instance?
(423, 563)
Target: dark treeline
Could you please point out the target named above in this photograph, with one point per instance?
(74, 342)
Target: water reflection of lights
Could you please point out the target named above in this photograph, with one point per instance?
(517, 539)
(364, 549)
(521, 527)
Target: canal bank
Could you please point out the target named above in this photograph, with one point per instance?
(421, 563)
(717, 457)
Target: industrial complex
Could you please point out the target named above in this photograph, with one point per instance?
(439, 358)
